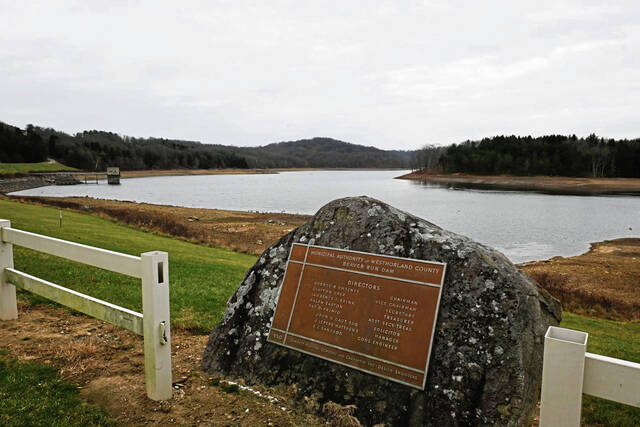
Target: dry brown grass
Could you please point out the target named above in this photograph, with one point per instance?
(580, 300)
(339, 415)
(604, 282)
(80, 357)
(248, 232)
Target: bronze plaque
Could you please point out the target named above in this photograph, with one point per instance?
(375, 313)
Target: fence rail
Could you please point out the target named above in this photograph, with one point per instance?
(152, 267)
(102, 258)
(612, 379)
(569, 371)
(86, 304)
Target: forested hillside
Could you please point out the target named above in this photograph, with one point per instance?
(555, 155)
(96, 150)
(18, 146)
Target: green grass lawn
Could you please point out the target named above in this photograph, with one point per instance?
(14, 168)
(33, 394)
(201, 278)
(615, 339)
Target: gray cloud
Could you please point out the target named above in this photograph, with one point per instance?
(389, 74)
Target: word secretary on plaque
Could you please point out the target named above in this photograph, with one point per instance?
(374, 313)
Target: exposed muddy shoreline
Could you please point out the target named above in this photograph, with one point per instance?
(187, 172)
(541, 184)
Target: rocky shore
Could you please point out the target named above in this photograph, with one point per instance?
(18, 184)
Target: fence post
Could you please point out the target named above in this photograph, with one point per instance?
(8, 304)
(562, 377)
(155, 312)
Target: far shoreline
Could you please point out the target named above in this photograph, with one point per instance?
(270, 171)
(11, 184)
(555, 185)
(143, 173)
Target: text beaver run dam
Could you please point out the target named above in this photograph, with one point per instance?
(375, 313)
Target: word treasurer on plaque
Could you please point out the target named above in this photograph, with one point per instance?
(374, 313)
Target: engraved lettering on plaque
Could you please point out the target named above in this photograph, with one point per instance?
(374, 313)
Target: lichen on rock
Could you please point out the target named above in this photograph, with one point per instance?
(486, 358)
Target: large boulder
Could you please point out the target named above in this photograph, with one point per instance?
(486, 360)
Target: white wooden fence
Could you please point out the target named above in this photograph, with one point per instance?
(151, 267)
(569, 371)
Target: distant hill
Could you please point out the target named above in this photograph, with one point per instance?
(323, 153)
(95, 150)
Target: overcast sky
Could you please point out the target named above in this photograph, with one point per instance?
(398, 74)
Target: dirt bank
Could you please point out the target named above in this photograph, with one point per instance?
(249, 232)
(604, 282)
(542, 184)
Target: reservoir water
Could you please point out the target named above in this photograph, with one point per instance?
(524, 226)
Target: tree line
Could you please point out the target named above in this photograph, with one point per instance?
(97, 150)
(18, 146)
(556, 155)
